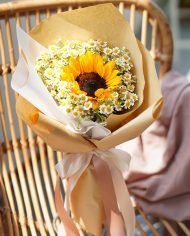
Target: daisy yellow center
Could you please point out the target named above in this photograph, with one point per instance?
(90, 83)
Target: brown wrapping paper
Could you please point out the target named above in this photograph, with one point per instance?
(93, 220)
(106, 23)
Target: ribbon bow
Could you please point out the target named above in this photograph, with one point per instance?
(108, 166)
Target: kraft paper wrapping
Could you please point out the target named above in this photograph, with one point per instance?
(106, 23)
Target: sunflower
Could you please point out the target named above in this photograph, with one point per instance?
(91, 76)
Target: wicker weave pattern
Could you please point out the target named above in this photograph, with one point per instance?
(27, 176)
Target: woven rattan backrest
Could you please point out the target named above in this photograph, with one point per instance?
(28, 176)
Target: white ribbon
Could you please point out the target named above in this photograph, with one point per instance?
(73, 166)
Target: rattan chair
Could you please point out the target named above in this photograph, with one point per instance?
(27, 174)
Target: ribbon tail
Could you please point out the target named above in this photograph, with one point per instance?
(114, 221)
(124, 202)
(71, 168)
(70, 227)
(72, 181)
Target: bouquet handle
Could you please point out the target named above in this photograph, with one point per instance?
(115, 221)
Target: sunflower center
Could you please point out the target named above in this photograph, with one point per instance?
(90, 82)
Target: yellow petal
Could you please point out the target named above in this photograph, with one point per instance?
(86, 62)
(100, 69)
(94, 105)
(89, 60)
(109, 68)
(102, 94)
(112, 76)
(98, 65)
(96, 58)
(75, 66)
(72, 70)
(82, 61)
(67, 77)
(115, 81)
(76, 89)
(99, 92)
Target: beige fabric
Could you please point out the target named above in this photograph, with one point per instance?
(159, 171)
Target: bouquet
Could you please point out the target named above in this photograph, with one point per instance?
(87, 85)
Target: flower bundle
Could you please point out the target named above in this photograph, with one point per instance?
(86, 87)
(89, 80)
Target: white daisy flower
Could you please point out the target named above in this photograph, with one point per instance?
(126, 58)
(81, 51)
(127, 76)
(87, 105)
(65, 49)
(76, 114)
(49, 73)
(53, 93)
(119, 61)
(82, 98)
(118, 107)
(63, 103)
(73, 98)
(80, 109)
(134, 97)
(63, 84)
(108, 110)
(102, 108)
(107, 50)
(115, 95)
(131, 87)
(127, 104)
(125, 50)
(123, 96)
(115, 51)
(103, 44)
(127, 66)
(92, 43)
(65, 55)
